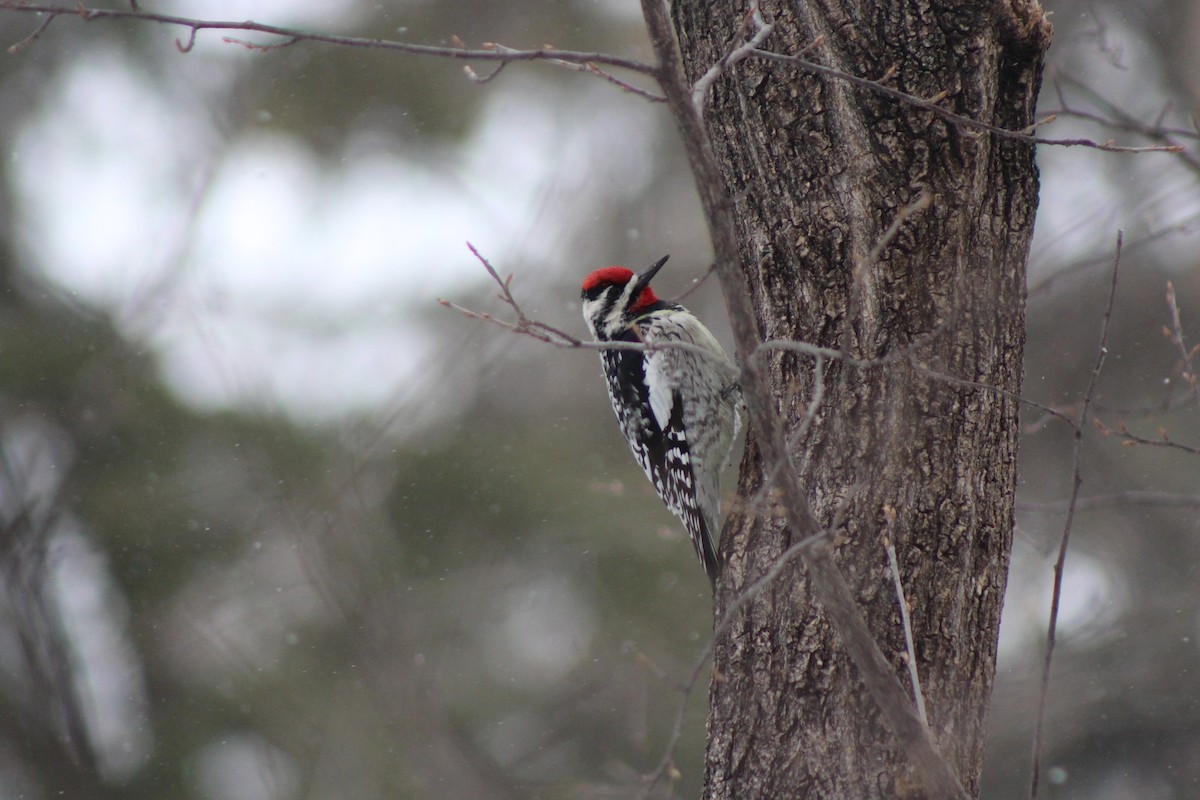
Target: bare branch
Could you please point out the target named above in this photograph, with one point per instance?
(1076, 482)
(475, 77)
(1176, 335)
(1132, 439)
(754, 504)
(488, 52)
(262, 48)
(910, 650)
(762, 29)
(527, 326)
(1116, 499)
(33, 37)
(1047, 410)
(1045, 283)
(957, 119)
(817, 351)
(696, 283)
(1120, 119)
(623, 85)
(919, 204)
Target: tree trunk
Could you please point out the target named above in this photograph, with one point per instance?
(819, 169)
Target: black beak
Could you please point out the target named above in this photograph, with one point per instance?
(643, 278)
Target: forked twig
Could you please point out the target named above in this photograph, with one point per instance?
(762, 29)
(1131, 439)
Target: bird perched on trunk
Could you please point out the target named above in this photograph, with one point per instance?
(676, 399)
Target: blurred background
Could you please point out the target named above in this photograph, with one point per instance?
(276, 525)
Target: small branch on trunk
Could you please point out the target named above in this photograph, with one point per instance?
(755, 503)
(921, 202)
(932, 105)
(762, 29)
(623, 85)
(910, 650)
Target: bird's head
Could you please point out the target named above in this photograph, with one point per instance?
(612, 298)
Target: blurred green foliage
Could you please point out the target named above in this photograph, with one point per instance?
(495, 605)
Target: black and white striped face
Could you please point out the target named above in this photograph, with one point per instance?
(611, 298)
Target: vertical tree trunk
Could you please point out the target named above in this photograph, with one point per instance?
(819, 169)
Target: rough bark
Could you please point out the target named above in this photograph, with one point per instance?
(818, 169)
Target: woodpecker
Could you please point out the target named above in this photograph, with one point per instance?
(677, 406)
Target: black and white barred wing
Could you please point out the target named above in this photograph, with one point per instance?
(701, 383)
(657, 433)
(688, 482)
(672, 470)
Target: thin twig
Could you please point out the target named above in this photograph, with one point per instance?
(762, 29)
(527, 326)
(1130, 438)
(1076, 482)
(696, 284)
(932, 106)
(1125, 120)
(1053, 413)
(264, 48)
(910, 650)
(475, 77)
(33, 37)
(754, 504)
(1176, 335)
(919, 204)
(621, 84)
(1185, 226)
(859, 275)
(1115, 499)
(1155, 131)
(488, 52)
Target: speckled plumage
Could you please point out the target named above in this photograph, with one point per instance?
(677, 406)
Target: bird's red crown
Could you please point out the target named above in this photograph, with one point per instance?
(608, 276)
(619, 276)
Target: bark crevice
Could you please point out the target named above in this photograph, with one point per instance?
(817, 169)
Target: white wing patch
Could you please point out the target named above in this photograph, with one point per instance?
(662, 389)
